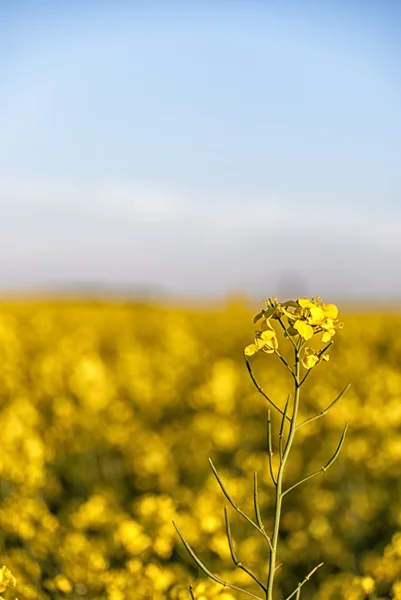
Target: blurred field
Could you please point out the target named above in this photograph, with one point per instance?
(109, 413)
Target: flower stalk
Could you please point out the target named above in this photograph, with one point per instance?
(279, 482)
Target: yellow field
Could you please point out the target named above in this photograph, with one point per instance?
(109, 413)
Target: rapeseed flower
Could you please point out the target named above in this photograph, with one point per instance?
(302, 317)
(313, 316)
(264, 340)
(311, 358)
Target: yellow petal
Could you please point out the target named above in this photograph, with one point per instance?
(326, 337)
(269, 339)
(316, 315)
(327, 324)
(267, 335)
(250, 350)
(259, 342)
(330, 311)
(303, 329)
(305, 303)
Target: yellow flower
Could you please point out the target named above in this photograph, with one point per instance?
(368, 584)
(265, 341)
(329, 330)
(311, 358)
(316, 317)
(304, 317)
(62, 583)
(396, 590)
(7, 579)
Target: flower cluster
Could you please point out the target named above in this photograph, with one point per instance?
(301, 319)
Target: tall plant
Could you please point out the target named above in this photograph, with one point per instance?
(301, 321)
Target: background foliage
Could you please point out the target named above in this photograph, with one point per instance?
(109, 413)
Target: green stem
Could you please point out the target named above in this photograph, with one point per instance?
(279, 483)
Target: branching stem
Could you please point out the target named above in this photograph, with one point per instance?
(285, 363)
(297, 591)
(260, 389)
(209, 573)
(326, 466)
(234, 556)
(326, 410)
(237, 508)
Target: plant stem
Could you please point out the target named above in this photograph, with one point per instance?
(279, 483)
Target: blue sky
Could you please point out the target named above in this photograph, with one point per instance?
(202, 148)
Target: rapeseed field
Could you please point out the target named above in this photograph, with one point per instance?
(109, 413)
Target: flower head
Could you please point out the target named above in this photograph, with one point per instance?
(303, 317)
(313, 316)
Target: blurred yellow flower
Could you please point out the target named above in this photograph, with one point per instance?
(62, 584)
(368, 584)
(7, 579)
(95, 400)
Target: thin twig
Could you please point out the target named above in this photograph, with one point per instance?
(302, 583)
(206, 570)
(237, 508)
(256, 502)
(285, 330)
(234, 556)
(191, 591)
(270, 447)
(260, 389)
(326, 410)
(282, 427)
(326, 466)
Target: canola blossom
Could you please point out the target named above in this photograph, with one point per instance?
(304, 318)
(110, 411)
